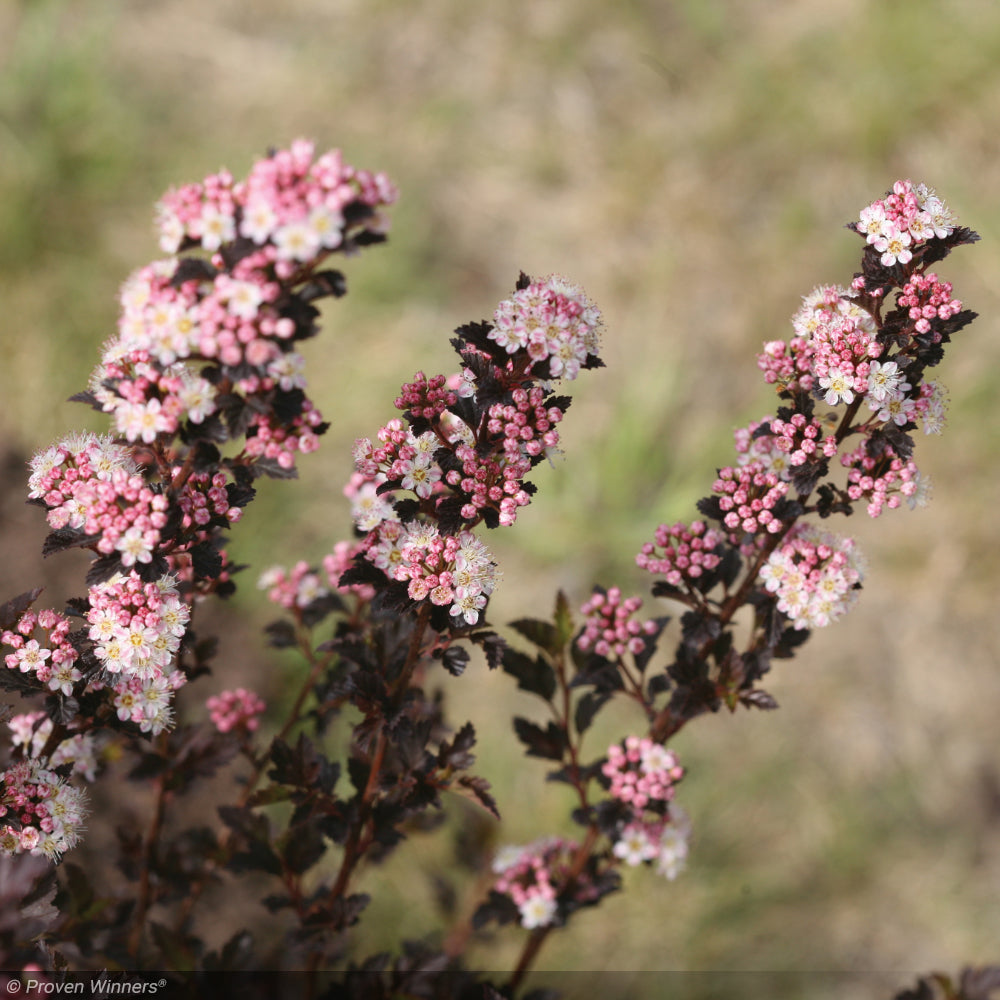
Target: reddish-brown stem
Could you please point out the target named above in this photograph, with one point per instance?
(144, 895)
(538, 936)
(361, 836)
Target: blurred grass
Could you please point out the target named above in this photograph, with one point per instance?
(690, 164)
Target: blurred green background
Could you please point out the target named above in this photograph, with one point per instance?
(691, 163)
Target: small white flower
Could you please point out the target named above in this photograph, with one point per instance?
(537, 912)
(258, 221)
(296, 241)
(216, 227)
(894, 246)
(838, 387)
(884, 381)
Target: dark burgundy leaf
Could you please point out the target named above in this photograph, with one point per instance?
(499, 907)
(192, 269)
(455, 660)
(86, 397)
(587, 708)
(980, 984)
(478, 789)
(103, 569)
(11, 611)
(492, 645)
(206, 560)
(304, 846)
(758, 699)
(534, 675)
(322, 284)
(66, 538)
(549, 743)
(542, 634)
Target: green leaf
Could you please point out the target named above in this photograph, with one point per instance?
(563, 619)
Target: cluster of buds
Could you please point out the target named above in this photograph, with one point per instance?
(815, 576)
(452, 571)
(294, 588)
(239, 314)
(641, 772)
(661, 841)
(681, 553)
(533, 876)
(466, 444)
(239, 709)
(780, 446)
(39, 812)
(30, 732)
(52, 658)
(609, 628)
(642, 775)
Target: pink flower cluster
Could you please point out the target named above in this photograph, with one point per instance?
(835, 349)
(453, 570)
(521, 431)
(747, 497)
(609, 629)
(784, 444)
(814, 574)
(527, 428)
(928, 299)
(883, 481)
(786, 364)
(204, 498)
(533, 876)
(931, 406)
(90, 484)
(644, 774)
(238, 709)
(52, 660)
(686, 551)
(641, 772)
(833, 334)
(265, 235)
(909, 216)
(136, 628)
(280, 441)
(293, 205)
(30, 731)
(663, 840)
(402, 457)
(295, 588)
(336, 563)
(233, 316)
(302, 584)
(146, 402)
(426, 398)
(45, 815)
(552, 321)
